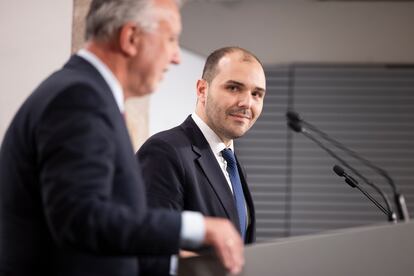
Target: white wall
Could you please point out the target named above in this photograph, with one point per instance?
(176, 97)
(35, 40)
(304, 31)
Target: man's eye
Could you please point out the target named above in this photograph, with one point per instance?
(233, 88)
(257, 94)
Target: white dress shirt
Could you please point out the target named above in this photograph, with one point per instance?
(216, 145)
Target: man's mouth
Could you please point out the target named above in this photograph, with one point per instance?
(242, 116)
(241, 113)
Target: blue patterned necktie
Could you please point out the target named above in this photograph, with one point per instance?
(228, 155)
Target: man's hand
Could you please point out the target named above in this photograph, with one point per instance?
(227, 243)
(187, 254)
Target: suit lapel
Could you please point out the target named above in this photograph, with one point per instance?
(211, 169)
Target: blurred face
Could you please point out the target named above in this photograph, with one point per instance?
(156, 50)
(233, 100)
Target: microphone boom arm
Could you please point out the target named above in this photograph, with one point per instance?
(388, 210)
(399, 199)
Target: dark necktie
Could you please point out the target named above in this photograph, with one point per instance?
(228, 155)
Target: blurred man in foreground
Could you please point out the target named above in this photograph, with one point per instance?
(72, 201)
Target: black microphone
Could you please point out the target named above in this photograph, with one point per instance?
(354, 184)
(348, 179)
(297, 124)
(294, 121)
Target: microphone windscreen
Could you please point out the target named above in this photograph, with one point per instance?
(294, 121)
(293, 116)
(338, 170)
(295, 126)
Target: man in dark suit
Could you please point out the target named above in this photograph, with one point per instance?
(185, 168)
(72, 201)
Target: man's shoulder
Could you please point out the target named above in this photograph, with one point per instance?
(77, 82)
(177, 139)
(76, 72)
(170, 136)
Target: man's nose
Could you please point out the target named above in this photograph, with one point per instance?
(176, 57)
(245, 100)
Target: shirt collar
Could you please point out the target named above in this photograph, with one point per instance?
(108, 76)
(213, 140)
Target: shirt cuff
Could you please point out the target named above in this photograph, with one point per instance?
(173, 264)
(192, 230)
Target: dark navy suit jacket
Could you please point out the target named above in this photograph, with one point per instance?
(182, 173)
(72, 200)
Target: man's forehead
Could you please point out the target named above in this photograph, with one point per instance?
(233, 72)
(238, 62)
(228, 64)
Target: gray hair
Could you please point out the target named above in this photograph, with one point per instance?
(106, 17)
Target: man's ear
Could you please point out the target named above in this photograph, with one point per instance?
(202, 88)
(129, 37)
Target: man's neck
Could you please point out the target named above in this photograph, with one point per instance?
(202, 116)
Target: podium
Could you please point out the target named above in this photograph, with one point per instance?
(386, 249)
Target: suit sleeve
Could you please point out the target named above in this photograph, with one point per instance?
(76, 153)
(163, 173)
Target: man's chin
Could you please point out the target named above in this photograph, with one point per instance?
(140, 93)
(237, 133)
(150, 89)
